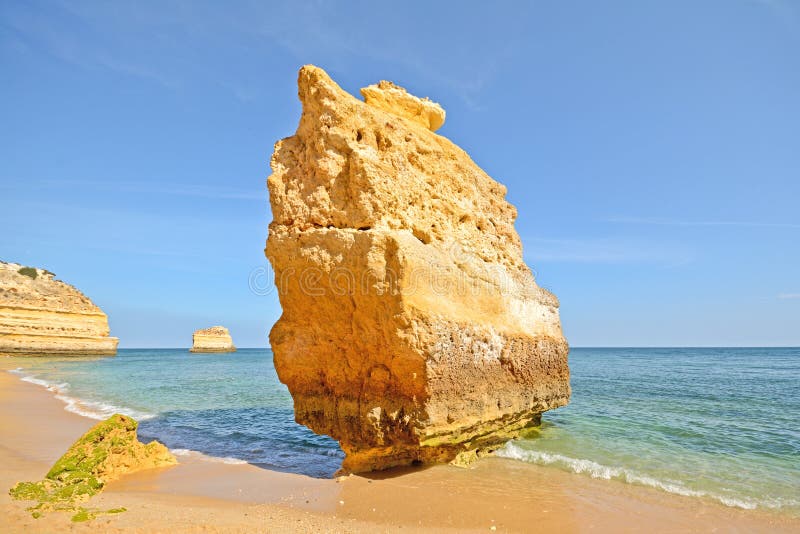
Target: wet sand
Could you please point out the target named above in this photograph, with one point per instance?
(203, 495)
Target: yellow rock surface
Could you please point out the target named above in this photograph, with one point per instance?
(214, 339)
(412, 330)
(40, 315)
(397, 101)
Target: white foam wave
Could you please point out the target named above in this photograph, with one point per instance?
(596, 470)
(188, 453)
(86, 408)
(101, 411)
(45, 384)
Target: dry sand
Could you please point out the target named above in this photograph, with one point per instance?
(201, 495)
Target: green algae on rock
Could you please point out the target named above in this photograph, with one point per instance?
(107, 451)
(83, 514)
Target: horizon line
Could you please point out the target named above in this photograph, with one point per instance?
(572, 347)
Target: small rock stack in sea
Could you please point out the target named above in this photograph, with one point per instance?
(214, 339)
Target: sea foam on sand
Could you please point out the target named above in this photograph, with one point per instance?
(596, 470)
(87, 408)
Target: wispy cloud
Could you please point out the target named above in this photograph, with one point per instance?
(782, 9)
(163, 188)
(100, 36)
(677, 222)
(181, 238)
(610, 250)
(131, 69)
(788, 296)
(321, 31)
(65, 44)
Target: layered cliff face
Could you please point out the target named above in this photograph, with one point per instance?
(214, 339)
(412, 330)
(43, 316)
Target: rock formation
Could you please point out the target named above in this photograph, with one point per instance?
(42, 316)
(396, 100)
(109, 450)
(214, 339)
(412, 330)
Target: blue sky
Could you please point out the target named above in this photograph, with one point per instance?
(652, 150)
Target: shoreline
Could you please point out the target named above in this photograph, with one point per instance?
(204, 493)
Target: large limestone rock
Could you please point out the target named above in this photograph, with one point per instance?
(214, 339)
(412, 330)
(41, 316)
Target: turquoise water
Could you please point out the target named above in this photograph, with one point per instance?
(721, 424)
(715, 423)
(229, 406)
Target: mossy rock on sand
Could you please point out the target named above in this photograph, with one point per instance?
(107, 451)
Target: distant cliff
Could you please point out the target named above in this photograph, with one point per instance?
(41, 316)
(214, 339)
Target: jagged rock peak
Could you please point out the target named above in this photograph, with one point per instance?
(397, 101)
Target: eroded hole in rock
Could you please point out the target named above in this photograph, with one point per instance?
(382, 141)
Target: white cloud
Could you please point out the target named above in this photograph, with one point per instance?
(64, 43)
(165, 188)
(172, 36)
(603, 250)
(787, 296)
(677, 222)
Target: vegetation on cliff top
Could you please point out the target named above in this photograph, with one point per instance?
(107, 451)
(30, 272)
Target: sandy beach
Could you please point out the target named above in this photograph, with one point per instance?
(203, 494)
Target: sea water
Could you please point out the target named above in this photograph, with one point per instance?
(230, 406)
(720, 424)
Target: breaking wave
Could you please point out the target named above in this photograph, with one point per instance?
(188, 453)
(102, 410)
(86, 408)
(596, 470)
